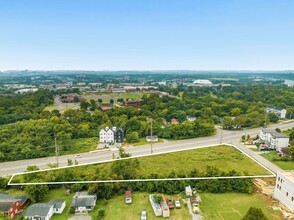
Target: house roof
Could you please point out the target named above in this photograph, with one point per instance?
(279, 135)
(21, 199)
(5, 204)
(57, 203)
(5, 196)
(38, 209)
(83, 201)
(271, 108)
(268, 130)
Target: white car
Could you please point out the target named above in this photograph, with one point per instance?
(177, 203)
(78, 156)
(143, 215)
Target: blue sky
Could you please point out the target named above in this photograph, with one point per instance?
(147, 34)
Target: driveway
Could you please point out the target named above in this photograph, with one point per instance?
(194, 216)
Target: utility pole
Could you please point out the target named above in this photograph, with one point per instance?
(151, 136)
(56, 151)
(221, 134)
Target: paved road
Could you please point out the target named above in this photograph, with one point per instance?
(229, 137)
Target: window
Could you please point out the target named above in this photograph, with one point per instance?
(280, 187)
(278, 178)
(292, 198)
(277, 185)
(287, 193)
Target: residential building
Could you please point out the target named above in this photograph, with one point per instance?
(152, 138)
(133, 103)
(83, 202)
(40, 211)
(280, 112)
(111, 135)
(274, 140)
(12, 205)
(174, 121)
(58, 205)
(284, 189)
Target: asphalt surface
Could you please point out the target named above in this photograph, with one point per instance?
(229, 137)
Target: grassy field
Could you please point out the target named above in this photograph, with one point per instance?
(117, 209)
(233, 206)
(143, 141)
(225, 158)
(285, 165)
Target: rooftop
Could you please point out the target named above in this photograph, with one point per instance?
(5, 204)
(279, 135)
(288, 174)
(57, 203)
(40, 209)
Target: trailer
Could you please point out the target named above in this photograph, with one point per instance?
(155, 206)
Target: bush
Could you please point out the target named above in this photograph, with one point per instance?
(72, 210)
(101, 214)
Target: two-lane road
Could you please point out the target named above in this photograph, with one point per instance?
(229, 137)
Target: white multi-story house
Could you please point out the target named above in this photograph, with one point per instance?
(281, 113)
(274, 140)
(111, 135)
(284, 189)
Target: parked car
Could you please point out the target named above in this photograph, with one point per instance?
(78, 156)
(170, 203)
(143, 215)
(177, 203)
(195, 208)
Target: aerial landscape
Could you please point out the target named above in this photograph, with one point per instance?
(124, 110)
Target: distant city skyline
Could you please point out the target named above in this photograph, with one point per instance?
(131, 35)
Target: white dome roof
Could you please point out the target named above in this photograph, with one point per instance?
(202, 81)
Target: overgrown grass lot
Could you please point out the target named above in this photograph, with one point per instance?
(211, 161)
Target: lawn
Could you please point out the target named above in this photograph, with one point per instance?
(117, 209)
(142, 141)
(274, 158)
(59, 194)
(233, 206)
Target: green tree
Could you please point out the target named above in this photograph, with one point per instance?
(254, 214)
(84, 105)
(111, 101)
(36, 192)
(132, 137)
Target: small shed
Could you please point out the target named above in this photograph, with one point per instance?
(189, 191)
(128, 197)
